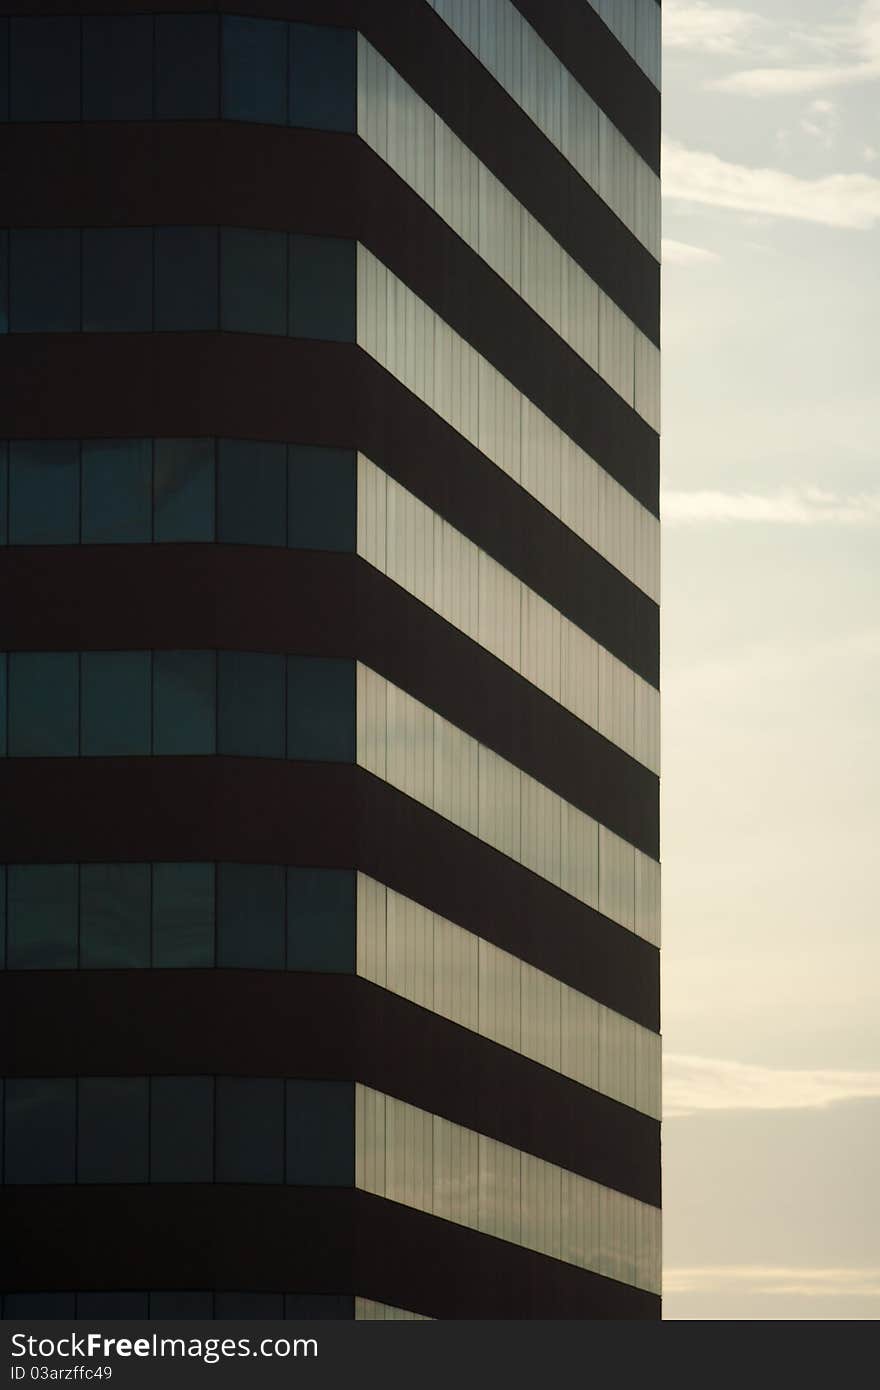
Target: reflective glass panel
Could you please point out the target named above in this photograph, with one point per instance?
(251, 704)
(322, 288)
(114, 928)
(253, 290)
(22, 1306)
(321, 919)
(250, 916)
(115, 703)
(42, 916)
(40, 1130)
(109, 1304)
(43, 704)
(187, 66)
(186, 275)
(116, 490)
(320, 1133)
(183, 490)
(318, 1305)
(112, 1129)
(183, 915)
(182, 1129)
(248, 1305)
(117, 67)
(117, 279)
(252, 492)
(254, 70)
(44, 281)
(184, 702)
(250, 1130)
(321, 709)
(44, 63)
(181, 1303)
(322, 498)
(323, 77)
(44, 492)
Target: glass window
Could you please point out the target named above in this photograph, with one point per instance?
(320, 1133)
(183, 490)
(321, 919)
(250, 916)
(183, 915)
(117, 71)
(250, 1130)
(42, 916)
(186, 274)
(44, 492)
(116, 490)
(40, 1130)
(182, 1129)
(254, 70)
(251, 704)
(107, 1303)
(184, 702)
(321, 709)
(112, 1129)
(323, 76)
(248, 1305)
(115, 703)
(322, 498)
(252, 492)
(4, 492)
(181, 1303)
(318, 1305)
(44, 69)
(187, 66)
(253, 291)
(43, 704)
(114, 930)
(44, 281)
(322, 288)
(23, 1306)
(117, 276)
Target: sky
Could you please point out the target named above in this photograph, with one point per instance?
(771, 659)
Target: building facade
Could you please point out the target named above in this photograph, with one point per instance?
(329, 728)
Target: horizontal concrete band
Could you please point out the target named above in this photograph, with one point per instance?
(328, 1027)
(186, 597)
(228, 174)
(328, 815)
(315, 1240)
(244, 386)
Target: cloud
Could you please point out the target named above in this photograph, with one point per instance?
(837, 200)
(680, 253)
(833, 1282)
(850, 52)
(804, 507)
(706, 28)
(693, 1085)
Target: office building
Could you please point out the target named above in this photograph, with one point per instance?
(329, 730)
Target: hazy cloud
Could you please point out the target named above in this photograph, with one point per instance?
(696, 1084)
(808, 1283)
(849, 54)
(681, 253)
(706, 28)
(791, 507)
(837, 200)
